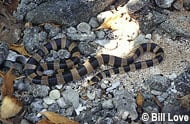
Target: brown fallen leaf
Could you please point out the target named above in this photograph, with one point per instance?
(139, 99)
(139, 102)
(185, 101)
(19, 48)
(57, 119)
(7, 87)
(10, 107)
(10, 5)
(44, 121)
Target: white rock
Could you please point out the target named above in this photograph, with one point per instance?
(155, 92)
(148, 36)
(48, 100)
(83, 27)
(114, 85)
(54, 94)
(125, 115)
(59, 86)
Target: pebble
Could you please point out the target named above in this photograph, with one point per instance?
(61, 103)
(71, 96)
(48, 100)
(32, 117)
(172, 76)
(39, 90)
(71, 30)
(53, 108)
(148, 36)
(91, 95)
(155, 92)
(86, 48)
(109, 44)
(114, 85)
(63, 54)
(100, 34)
(164, 3)
(37, 106)
(103, 86)
(79, 109)
(60, 86)
(52, 30)
(125, 102)
(54, 94)
(90, 36)
(135, 6)
(93, 22)
(83, 27)
(13, 56)
(108, 104)
(69, 111)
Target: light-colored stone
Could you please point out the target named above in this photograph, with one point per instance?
(48, 100)
(83, 27)
(54, 94)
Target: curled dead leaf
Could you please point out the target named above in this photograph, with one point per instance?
(19, 48)
(57, 119)
(139, 99)
(10, 107)
(185, 101)
(7, 87)
(118, 20)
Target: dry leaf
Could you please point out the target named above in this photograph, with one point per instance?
(139, 99)
(19, 48)
(7, 87)
(44, 121)
(139, 102)
(10, 5)
(58, 119)
(116, 21)
(185, 101)
(10, 107)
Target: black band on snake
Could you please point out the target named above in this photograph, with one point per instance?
(34, 68)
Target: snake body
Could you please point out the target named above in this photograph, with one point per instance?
(34, 68)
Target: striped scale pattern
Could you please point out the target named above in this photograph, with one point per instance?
(34, 69)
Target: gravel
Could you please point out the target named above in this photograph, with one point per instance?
(112, 100)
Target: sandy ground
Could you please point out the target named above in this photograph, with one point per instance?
(177, 58)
